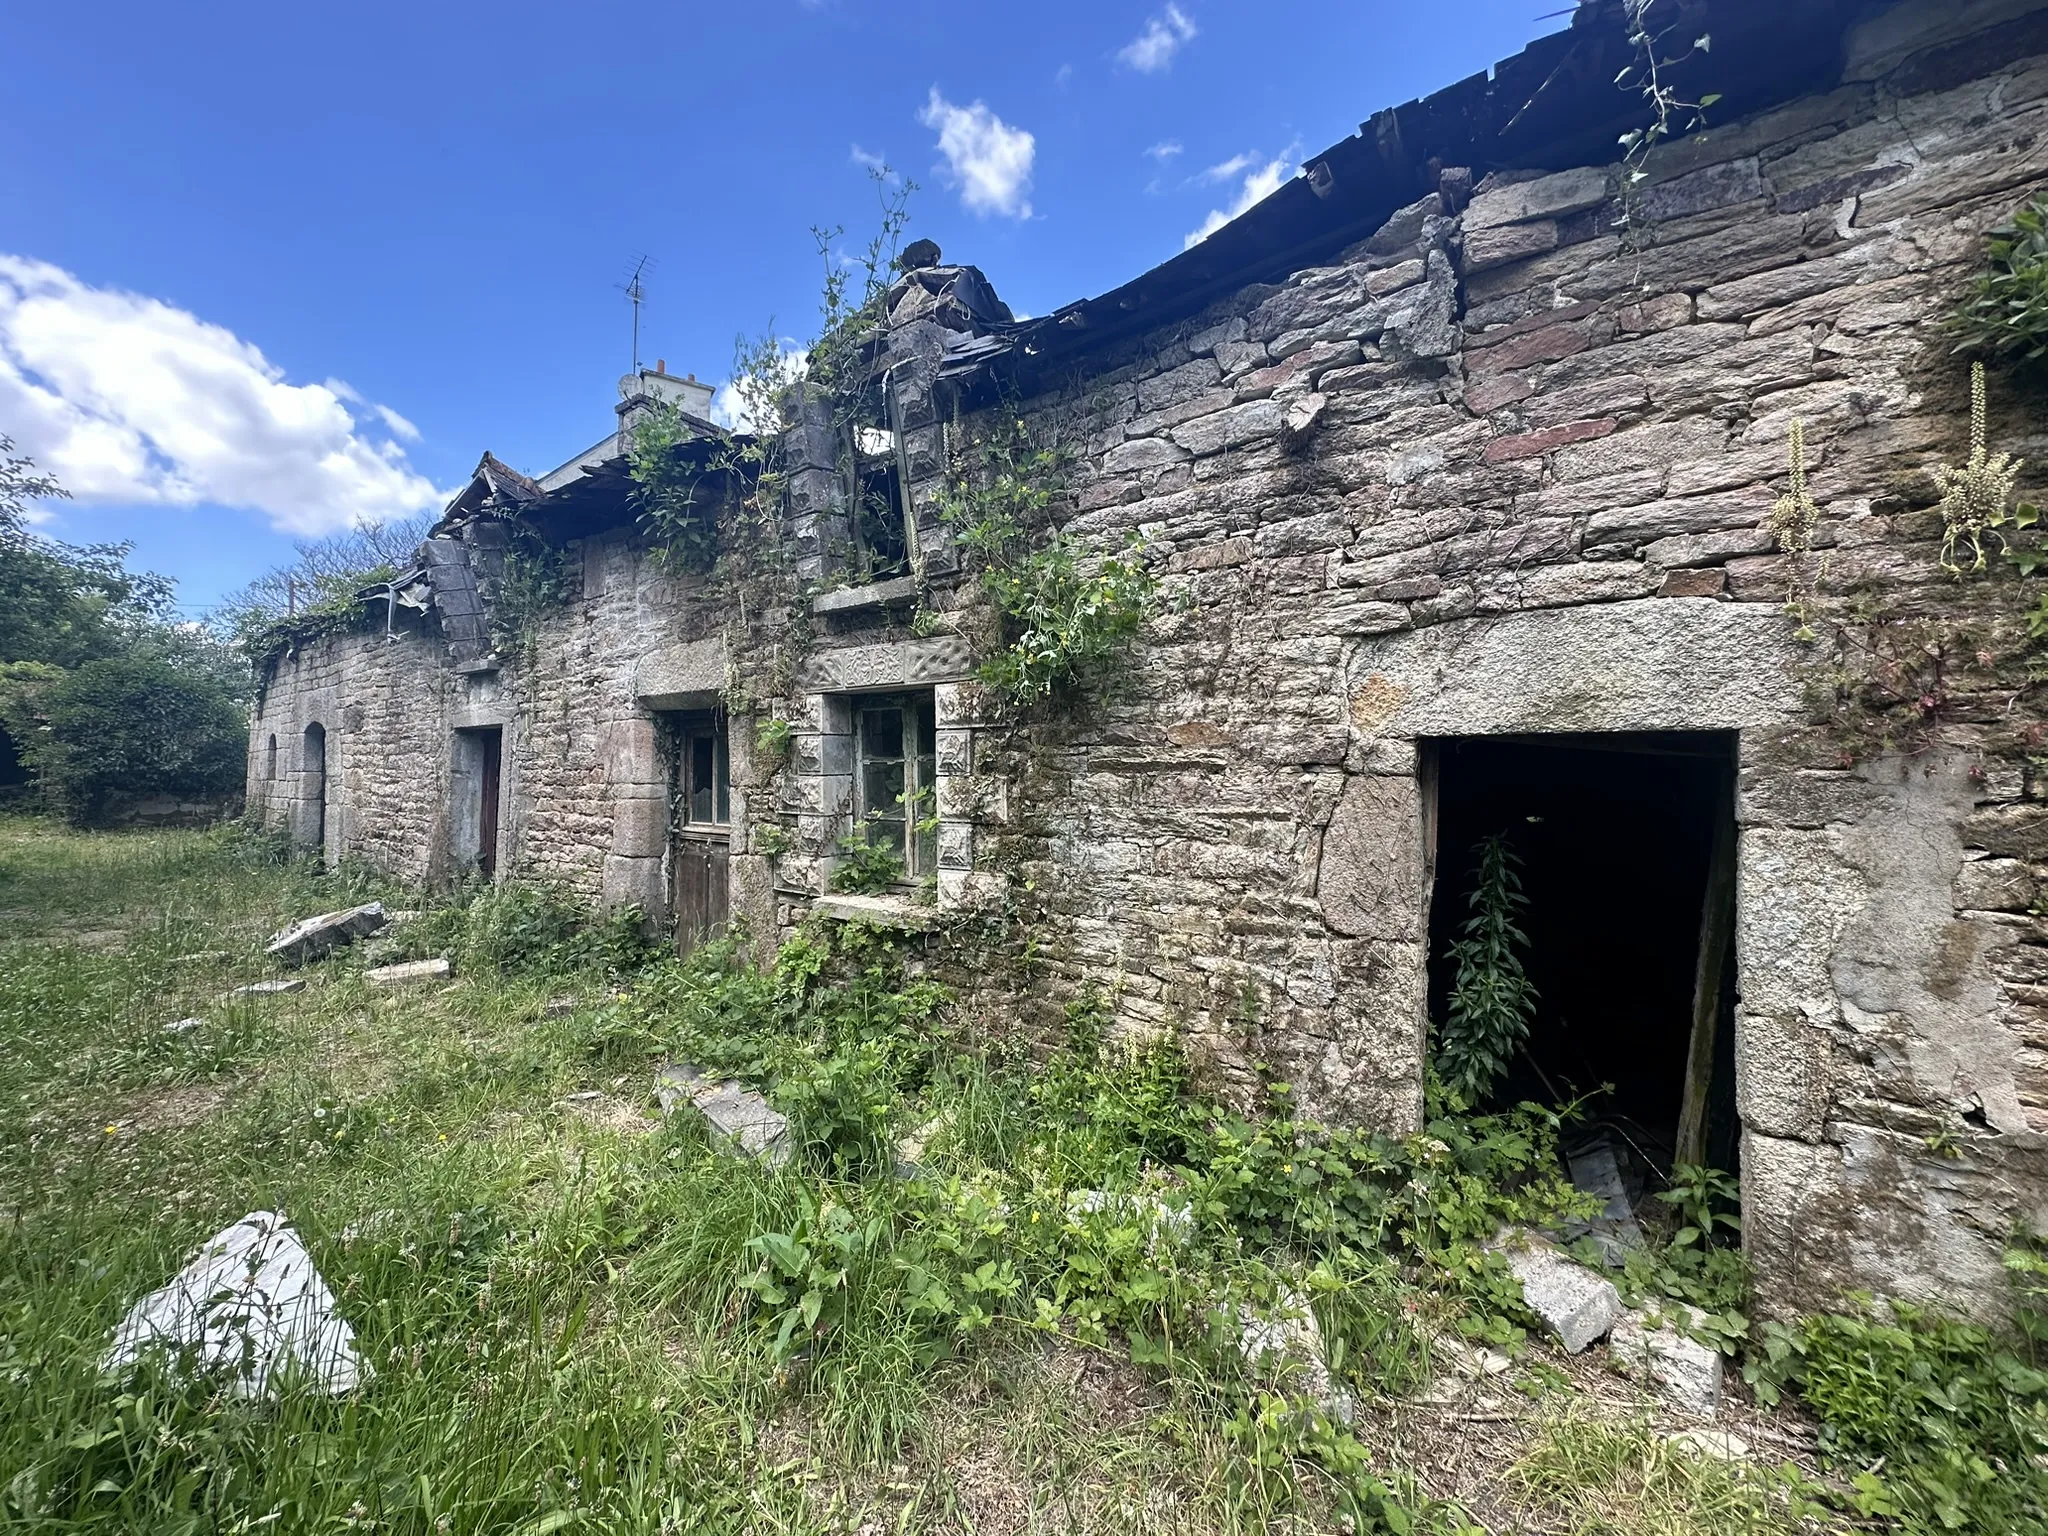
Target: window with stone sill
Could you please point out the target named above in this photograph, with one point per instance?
(895, 779)
(703, 769)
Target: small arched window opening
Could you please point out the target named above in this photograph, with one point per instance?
(270, 758)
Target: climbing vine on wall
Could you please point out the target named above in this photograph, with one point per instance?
(1063, 614)
(1670, 114)
(536, 582)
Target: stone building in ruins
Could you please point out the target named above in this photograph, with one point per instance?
(1464, 465)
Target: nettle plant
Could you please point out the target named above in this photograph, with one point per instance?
(1492, 1000)
(1063, 614)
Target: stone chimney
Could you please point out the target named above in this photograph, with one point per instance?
(657, 383)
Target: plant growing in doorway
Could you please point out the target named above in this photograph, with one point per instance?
(1492, 1000)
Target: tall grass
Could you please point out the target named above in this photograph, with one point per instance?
(547, 1288)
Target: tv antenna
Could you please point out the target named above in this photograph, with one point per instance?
(636, 290)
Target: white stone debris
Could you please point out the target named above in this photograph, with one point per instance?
(910, 1151)
(1160, 1218)
(1574, 1303)
(1685, 1372)
(313, 937)
(1288, 1341)
(740, 1119)
(250, 1304)
(1710, 1444)
(271, 988)
(406, 974)
(1471, 1360)
(183, 1026)
(558, 1007)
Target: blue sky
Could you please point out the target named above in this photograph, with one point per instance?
(264, 269)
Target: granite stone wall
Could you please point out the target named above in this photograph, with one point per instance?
(1506, 467)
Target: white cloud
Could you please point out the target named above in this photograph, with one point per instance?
(874, 164)
(1153, 49)
(987, 159)
(399, 426)
(1236, 165)
(1165, 150)
(1260, 182)
(126, 398)
(748, 404)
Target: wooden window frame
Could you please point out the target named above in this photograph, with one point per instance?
(707, 727)
(914, 758)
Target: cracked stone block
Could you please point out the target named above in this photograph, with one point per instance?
(1575, 1304)
(249, 1304)
(313, 937)
(1596, 1171)
(407, 973)
(740, 1119)
(1685, 1372)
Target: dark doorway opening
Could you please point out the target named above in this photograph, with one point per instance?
(490, 762)
(1626, 851)
(313, 788)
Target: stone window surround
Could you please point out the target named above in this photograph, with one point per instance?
(819, 784)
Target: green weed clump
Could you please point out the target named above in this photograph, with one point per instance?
(1942, 1425)
(530, 929)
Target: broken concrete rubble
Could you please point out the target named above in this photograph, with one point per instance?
(1159, 1218)
(1575, 1304)
(1647, 1345)
(1596, 1171)
(271, 988)
(407, 973)
(740, 1119)
(249, 1305)
(1285, 1340)
(312, 937)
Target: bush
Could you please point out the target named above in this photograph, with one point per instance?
(137, 725)
(2006, 313)
(532, 930)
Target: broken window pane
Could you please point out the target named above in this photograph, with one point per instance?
(703, 773)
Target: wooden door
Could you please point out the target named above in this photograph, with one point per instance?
(489, 764)
(700, 892)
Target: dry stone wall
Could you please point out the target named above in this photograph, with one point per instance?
(1509, 467)
(1505, 467)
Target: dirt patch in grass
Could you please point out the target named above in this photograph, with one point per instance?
(175, 1108)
